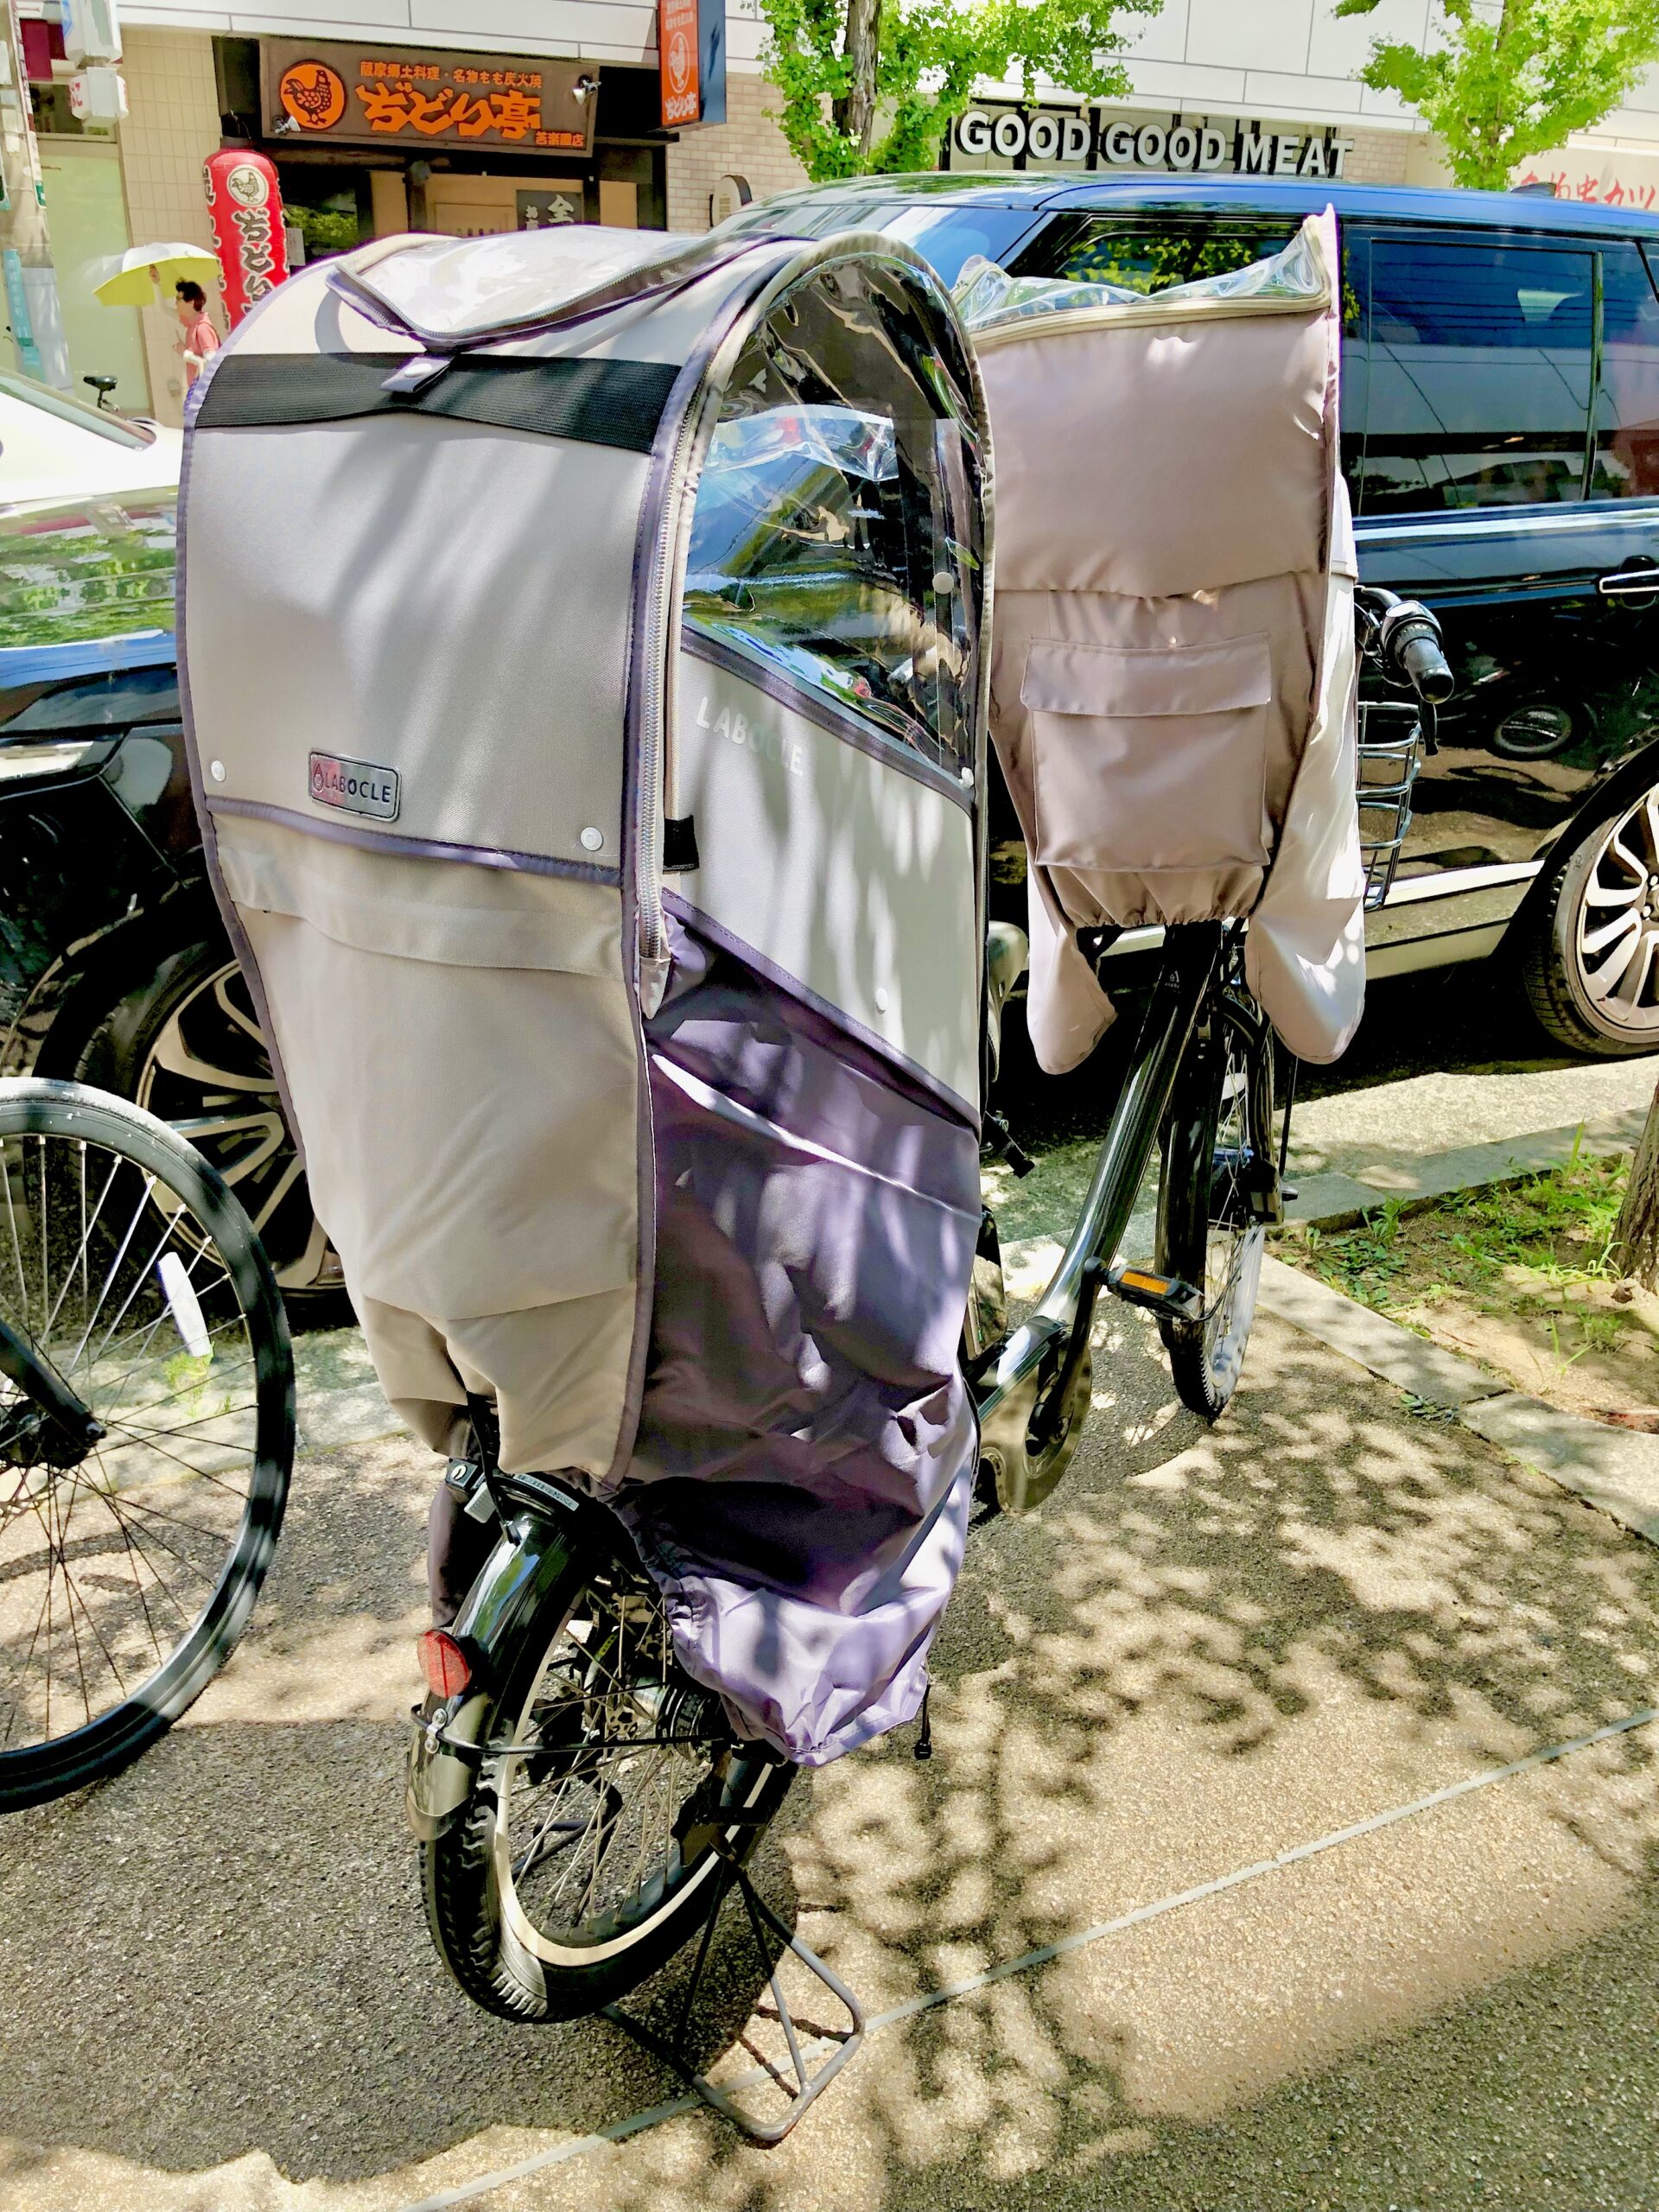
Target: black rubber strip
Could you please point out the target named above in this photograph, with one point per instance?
(599, 403)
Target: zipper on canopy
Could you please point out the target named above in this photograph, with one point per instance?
(658, 704)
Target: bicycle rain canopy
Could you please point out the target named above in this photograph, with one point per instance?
(581, 637)
(1174, 679)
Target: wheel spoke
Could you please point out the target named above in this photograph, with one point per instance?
(1602, 981)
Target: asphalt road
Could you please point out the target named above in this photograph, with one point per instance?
(1206, 1651)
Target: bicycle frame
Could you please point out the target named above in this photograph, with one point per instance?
(1033, 1368)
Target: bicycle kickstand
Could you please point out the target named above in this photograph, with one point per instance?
(800, 2081)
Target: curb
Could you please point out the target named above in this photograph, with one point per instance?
(1617, 1473)
(1334, 1200)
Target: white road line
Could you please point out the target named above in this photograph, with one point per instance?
(637, 2123)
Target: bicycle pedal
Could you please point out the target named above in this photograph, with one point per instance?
(1158, 1294)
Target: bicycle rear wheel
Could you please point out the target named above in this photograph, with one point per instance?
(586, 1855)
(1218, 1157)
(128, 1563)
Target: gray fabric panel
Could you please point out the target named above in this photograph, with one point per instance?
(448, 601)
(472, 1127)
(421, 909)
(848, 874)
(558, 1375)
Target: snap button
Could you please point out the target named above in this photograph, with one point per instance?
(593, 839)
(216, 770)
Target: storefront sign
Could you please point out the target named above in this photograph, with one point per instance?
(246, 208)
(691, 62)
(1064, 138)
(22, 326)
(1594, 177)
(367, 95)
(677, 60)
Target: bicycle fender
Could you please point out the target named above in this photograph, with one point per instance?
(444, 1760)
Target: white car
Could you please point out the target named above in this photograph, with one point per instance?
(54, 447)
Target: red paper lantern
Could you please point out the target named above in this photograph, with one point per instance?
(245, 202)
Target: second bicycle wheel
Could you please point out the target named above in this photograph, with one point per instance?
(1217, 1153)
(130, 1559)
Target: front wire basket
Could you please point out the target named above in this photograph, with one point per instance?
(1391, 748)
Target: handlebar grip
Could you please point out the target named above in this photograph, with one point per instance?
(1426, 667)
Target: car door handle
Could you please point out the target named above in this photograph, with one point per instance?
(1630, 583)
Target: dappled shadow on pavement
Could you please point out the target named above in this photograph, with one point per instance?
(1207, 1649)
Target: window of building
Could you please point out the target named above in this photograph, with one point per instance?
(1472, 365)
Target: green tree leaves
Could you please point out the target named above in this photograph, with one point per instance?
(1515, 79)
(928, 57)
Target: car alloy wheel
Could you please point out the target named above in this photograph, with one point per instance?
(1615, 935)
(206, 1071)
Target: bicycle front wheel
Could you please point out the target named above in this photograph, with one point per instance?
(1218, 1157)
(130, 1557)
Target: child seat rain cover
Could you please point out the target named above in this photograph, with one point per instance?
(1172, 687)
(584, 684)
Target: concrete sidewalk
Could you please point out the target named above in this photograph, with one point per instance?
(1210, 1651)
(1428, 1134)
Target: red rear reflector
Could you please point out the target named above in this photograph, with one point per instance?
(445, 1665)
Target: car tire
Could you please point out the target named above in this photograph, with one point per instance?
(1590, 961)
(184, 1042)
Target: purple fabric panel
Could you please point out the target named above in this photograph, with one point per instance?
(801, 1472)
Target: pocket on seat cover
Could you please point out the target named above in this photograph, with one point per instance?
(1148, 759)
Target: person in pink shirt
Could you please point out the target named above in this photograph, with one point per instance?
(199, 339)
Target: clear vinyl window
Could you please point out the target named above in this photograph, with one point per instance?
(836, 537)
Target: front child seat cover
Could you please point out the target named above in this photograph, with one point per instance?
(1172, 687)
(581, 642)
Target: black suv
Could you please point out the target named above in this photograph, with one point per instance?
(1501, 441)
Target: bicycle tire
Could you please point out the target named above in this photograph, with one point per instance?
(1205, 1234)
(93, 1124)
(476, 1910)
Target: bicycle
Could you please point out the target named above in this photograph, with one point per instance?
(582, 1806)
(146, 1432)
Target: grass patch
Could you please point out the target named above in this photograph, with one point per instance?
(1553, 1232)
(1519, 1277)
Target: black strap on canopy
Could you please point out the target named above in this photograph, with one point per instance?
(601, 403)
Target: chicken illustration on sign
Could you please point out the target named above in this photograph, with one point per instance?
(346, 94)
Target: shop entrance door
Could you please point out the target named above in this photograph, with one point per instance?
(482, 206)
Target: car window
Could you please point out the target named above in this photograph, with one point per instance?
(111, 701)
(1476, 362)
(1626, 464)
(947, 237)
(1148, 256)
(834, 538)
(943, 235)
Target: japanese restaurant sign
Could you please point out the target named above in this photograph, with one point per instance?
(380, 95)
(244, 203)
(677, 57)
